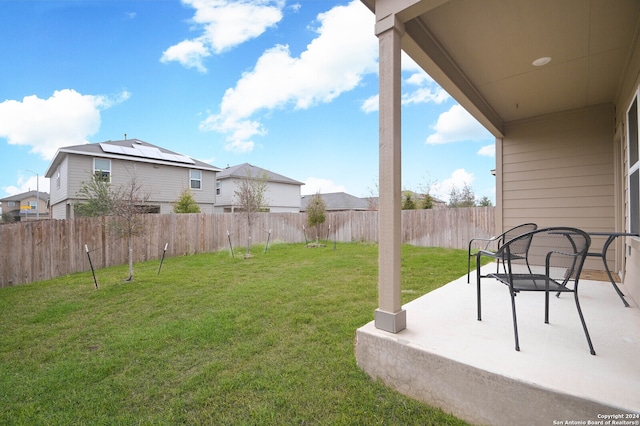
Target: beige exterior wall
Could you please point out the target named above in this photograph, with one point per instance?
(42, 210)
(281, 197)
(631, 245)
(164, 183)
(59, 188)
(558, 170)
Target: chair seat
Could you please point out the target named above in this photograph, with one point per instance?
(500, 255)
(531, 282)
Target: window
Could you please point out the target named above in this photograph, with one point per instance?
(11, 203)
(634, 167)
(58, 178)
(196, 179)
(33, 205)
(102, 169)
(217, 187)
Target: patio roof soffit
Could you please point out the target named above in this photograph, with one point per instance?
(423, 47)
(404, 10)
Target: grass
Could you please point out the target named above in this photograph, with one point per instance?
(213, 339)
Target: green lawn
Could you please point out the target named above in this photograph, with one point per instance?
(213, 339)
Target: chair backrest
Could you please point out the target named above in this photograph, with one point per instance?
(520, 246)
(557, 251)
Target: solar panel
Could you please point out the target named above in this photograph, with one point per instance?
(145, 152)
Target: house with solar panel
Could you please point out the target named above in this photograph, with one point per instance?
(163, 174)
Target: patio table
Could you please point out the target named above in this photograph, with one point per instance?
(611, 236)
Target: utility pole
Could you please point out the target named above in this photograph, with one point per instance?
(37, 194)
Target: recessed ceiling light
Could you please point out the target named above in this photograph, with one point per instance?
(541, 61)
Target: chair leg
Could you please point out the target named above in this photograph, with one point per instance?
(478, 286)
(584, 324)
(546, 306)
(469, 261)
(515, 321)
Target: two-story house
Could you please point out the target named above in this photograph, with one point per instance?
(282, 193)
(163, 174)
(30, 205)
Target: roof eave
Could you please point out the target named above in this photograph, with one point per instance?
(58, 159)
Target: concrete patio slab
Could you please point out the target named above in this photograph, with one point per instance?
(470, 368)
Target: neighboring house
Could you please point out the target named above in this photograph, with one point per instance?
(29, 205)
(282, 193)
(556, 83)
(163, 174)
(338, 201)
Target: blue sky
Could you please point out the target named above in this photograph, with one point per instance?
(289, 86)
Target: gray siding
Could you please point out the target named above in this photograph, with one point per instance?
(281, 197)
(163, 183)
(60, 194)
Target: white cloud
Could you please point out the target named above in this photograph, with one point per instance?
(488, 150)
(458, 179)
(28, 183)
(66, 118)
(457, 125)
(371, 104)
(223, 24)
(324, 186)
(418, 88)
(423, 95)
(334, 62)
(189, 53)
(295, 7)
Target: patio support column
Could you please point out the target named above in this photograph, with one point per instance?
(389, 316)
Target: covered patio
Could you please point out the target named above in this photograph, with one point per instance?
(471, 369)
(557, 84)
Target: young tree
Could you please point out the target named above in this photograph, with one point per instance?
(316, 212)
(98, 195)
(7, 218)
(251, 199)
(373, 198)
(485, 202)
(129, 203)
(186, 203)
(427, 202)
(124, 204)
(462, 198)
(407, 201)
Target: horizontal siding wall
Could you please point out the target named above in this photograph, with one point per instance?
(46, 249)
(558, 170)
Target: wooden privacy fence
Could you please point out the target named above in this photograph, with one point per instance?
(41, 250)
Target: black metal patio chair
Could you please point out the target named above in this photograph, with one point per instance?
(519, 250)
(556, 257)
